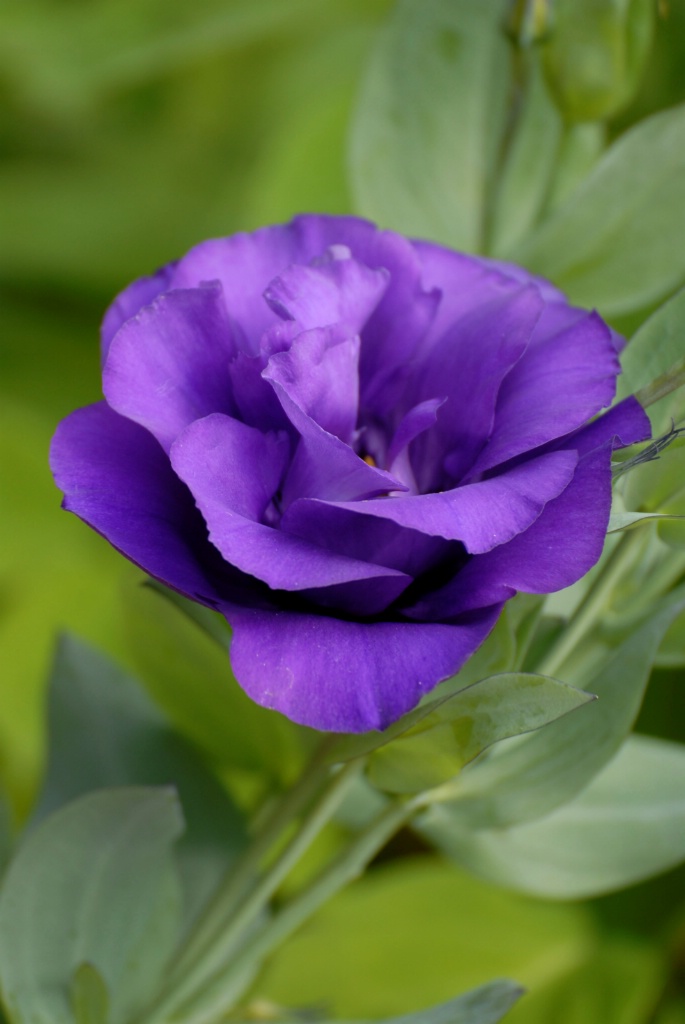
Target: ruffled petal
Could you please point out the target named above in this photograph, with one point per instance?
(334, 289)
(129, 302)
(319, 373)
(468, 364)
(116, 478)
(169, 365)
(232, 471)
(342, 676)
(560, 547)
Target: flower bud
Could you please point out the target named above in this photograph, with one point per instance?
(595, 54)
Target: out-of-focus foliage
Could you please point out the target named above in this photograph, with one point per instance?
(129, 130)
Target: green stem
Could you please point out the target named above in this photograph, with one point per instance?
(591, 606)
(221, 992)
(241, 907)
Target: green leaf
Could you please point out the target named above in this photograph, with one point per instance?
(616, 242)
(189, 676)
(655, 352)
(533, 775)
(411, 932)
(627, 825)
(89, 995)
(103, 731)
(464, 725)
(525, 178)
(90, 884)
(429, 121)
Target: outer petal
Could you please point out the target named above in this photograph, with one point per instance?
(118, 480)
(559, 548)
(624, 424)
(482, 515)
(344, 676)
(129, 302)
(468, 366)
(170, 364)
(555, 388)
(230, 469)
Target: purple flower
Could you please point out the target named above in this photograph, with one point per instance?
(354, 446)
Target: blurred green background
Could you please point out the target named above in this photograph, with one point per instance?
(129, 130)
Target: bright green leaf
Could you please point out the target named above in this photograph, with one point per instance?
(103, 731)
(86, 887)
(464, 725)
(530, 777)
(429, 120)
(627, 825)
(617, 241)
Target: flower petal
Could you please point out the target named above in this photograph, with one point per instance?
(129, 302)
(169, 365)
(230, 469)
(474, 357)
(560, 547)
(116, 478)
(342, 676)
(482, 515)
(555, 387)
(320, 374)
(334, 289)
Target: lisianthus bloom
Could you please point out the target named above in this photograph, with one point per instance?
(356, 447)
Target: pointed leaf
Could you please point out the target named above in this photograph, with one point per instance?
(429, 120)
(616, 242)
(627, 825)
(463, 726)
(84, 887)
(625, 520)
(103, 731)
(529, 778)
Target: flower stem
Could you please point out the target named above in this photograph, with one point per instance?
(593, 603)
(242, 902)
(221, 991)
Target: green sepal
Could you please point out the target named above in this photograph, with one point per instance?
(595, 53)
(89, 995)
(461, 727)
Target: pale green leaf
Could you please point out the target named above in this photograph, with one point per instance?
(524, 180)
(429, 120)
(530, 777)
(617, 241)
(464, 725)
(85, 887)
(103, 731)
(627, 825)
